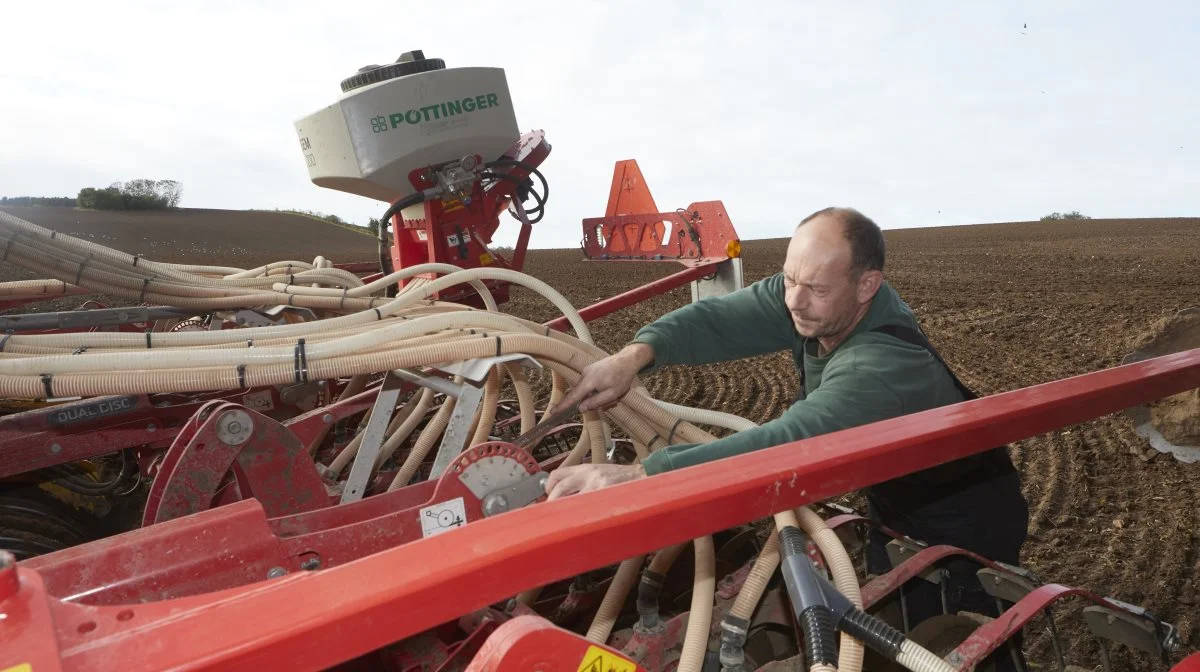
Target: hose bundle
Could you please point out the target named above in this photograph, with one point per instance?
(371, 333)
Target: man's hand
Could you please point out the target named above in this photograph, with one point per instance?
(587, 477)
(603, 383)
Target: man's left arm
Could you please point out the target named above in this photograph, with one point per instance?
(846, 398)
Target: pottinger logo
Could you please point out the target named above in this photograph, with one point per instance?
(420, 115)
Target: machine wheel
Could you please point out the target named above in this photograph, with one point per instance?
(32, 523)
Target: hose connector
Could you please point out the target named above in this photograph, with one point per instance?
(733, 642)
(647, 598)
(808, 598)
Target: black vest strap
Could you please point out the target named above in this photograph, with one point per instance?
(915, 337)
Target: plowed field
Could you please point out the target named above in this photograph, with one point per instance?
(1008, 305)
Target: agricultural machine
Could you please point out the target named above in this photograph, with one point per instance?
(320, 466)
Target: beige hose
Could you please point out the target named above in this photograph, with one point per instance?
(425, 442)
(397, 438)
(487, 409)
(756, 582)
(614, 599)
(695, 642)
(525, 399)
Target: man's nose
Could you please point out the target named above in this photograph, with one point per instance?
(795, 298)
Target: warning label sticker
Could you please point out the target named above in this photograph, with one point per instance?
(599, 660)
(443, 517)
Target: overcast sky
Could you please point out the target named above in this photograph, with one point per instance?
(942, 113)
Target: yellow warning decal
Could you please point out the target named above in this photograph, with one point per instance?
(485, 259)
(23, 667)
(599, 660)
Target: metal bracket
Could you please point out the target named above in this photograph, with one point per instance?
(476, 370)
(455, 438)
(469, 396)
(368, 450)
(727, 280)
(522, 493)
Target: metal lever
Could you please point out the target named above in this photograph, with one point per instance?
(533, 436)
(522, 493)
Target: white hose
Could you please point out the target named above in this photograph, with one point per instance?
(919, 659)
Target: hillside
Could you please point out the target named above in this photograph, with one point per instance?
(229, 237)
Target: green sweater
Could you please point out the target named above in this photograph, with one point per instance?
(867, 378)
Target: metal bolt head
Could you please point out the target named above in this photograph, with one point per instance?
(150, 427)
(494, 504)
(56, 448)
(311, 564)
(327, 418)
(276, 572)
(234, 427)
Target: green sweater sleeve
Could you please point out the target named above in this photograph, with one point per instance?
(849, 396)
(715, 329)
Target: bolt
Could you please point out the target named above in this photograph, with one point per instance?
(276, 572)
(150, 428)
(56, 449)
(9, 583)
(122, 316)
(327, 418)
(235, 427)
(311, 564)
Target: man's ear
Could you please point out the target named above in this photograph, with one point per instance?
(868, 283)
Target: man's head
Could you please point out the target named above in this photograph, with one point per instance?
(833, 268)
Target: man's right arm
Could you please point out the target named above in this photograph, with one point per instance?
(749, 322)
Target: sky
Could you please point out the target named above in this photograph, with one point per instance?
(918, 114)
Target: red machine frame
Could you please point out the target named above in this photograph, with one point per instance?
(251, 625)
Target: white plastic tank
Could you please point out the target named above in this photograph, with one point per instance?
(398, 117)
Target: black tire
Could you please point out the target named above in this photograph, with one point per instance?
(33, 523)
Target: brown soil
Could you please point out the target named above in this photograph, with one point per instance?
(1177, 418)
(1008, 305)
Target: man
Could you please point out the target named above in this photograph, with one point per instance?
(861, 358)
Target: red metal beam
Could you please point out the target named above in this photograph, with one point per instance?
(369, 603)
(660, 286)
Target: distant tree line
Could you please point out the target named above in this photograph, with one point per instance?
(1060, 216)
(37, 200)
(139, 194)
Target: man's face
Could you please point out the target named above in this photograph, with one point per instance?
(819, 289)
